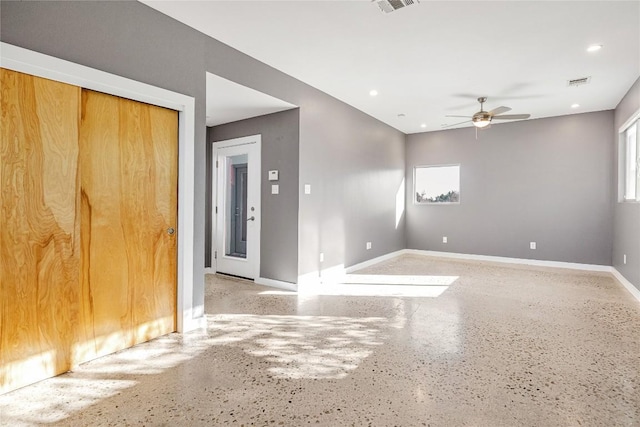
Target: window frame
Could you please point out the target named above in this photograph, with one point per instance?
(623, 163)
(413, 196)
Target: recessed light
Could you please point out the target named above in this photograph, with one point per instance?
(575, 105)
(373, 92)
(424, 125)
(594, 48)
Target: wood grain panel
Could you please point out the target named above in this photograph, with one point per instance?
(39, 236)
(129, 200)
(88, 191)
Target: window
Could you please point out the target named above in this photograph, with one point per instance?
(630, 162)
(436, 184)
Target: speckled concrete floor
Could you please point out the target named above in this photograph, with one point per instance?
(483, 345)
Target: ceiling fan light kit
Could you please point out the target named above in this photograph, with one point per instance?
(388, 6)
(482, 119)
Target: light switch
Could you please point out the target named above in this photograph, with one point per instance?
(275, 189)
(273, 176)
(307, 189)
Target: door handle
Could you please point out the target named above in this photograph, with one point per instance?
(253, 218)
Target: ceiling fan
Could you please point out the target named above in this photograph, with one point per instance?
(482, 119)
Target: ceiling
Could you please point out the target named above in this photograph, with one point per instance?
(435, 58)
(228, 102)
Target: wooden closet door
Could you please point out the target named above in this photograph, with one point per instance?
(39, 231)
(128, 159)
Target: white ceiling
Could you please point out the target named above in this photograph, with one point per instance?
(433, 59)
(228, 102)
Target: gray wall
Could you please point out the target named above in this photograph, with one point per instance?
(546, 180)
(626, 235)
(561, 196)
(280, 141)
(354, 163)
(130, 40)
(355, 175)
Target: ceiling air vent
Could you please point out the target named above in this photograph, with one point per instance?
(388, 6)
(578, 82)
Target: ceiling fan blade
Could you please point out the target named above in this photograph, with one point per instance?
(456, 124)
(466, 117)
(499, 110)
(512, 117)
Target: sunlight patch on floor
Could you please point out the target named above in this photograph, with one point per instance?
(56, 398)
(300, 346)
(377, 285)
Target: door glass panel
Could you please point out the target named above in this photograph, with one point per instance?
(236, 206)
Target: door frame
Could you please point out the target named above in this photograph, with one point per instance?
(235, 142)
(27, 61)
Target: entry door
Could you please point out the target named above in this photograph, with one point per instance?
(237, 210)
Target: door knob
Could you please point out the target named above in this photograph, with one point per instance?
(170, 231)
(253, 218)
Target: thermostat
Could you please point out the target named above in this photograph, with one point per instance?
(273, 175)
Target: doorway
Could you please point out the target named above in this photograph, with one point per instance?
(236, 242)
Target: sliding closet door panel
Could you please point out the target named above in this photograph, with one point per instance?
(129, 204)
(106, 318)
(149, 137)
(39, 236)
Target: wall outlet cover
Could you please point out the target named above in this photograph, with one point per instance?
(275, 189)
(444, 239)
(532, 245)
(321, 256)
(368, 245)
(307, 189)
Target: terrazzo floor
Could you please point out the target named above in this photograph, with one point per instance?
(450, 343)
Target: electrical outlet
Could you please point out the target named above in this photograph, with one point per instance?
(307, 189)
(532, 245)
(624, 258)
(321, 256)
(368, 245)
(275, 189)
(444, 239)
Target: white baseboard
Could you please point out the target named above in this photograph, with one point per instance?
(540, 263)
(373, 261)
(263, 281)
(327, 275)
(507, 260)
(276, 284)
(627, 284)
(334, 274)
